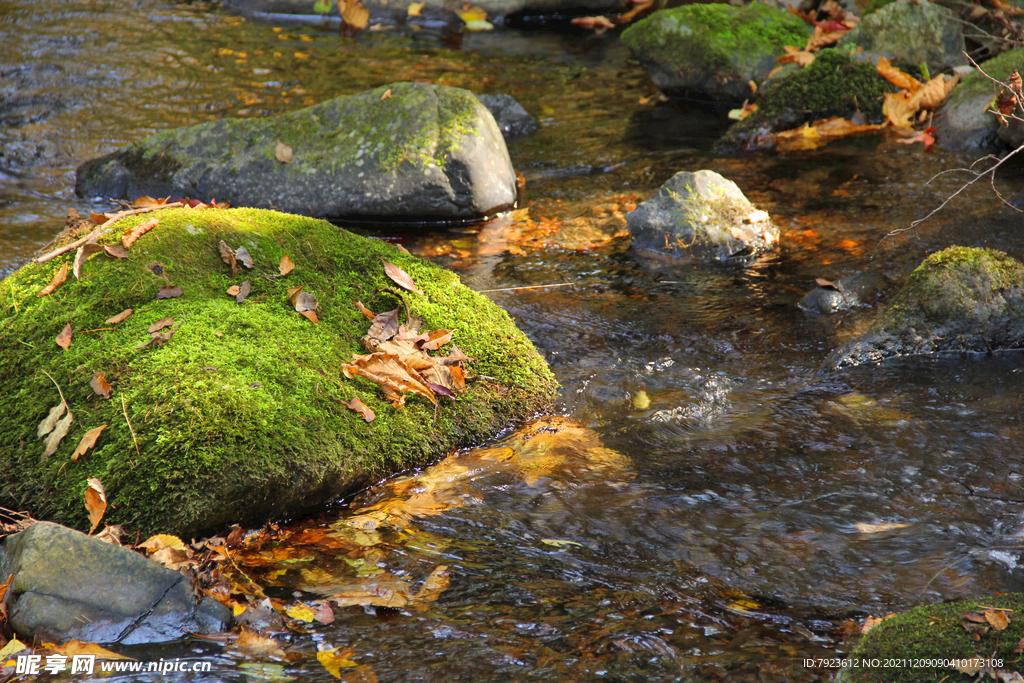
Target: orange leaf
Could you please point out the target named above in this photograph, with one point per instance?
(119, 318)
(897, 77)
(286, 265)
(129, 236)
(822, 38)
(100, 385)
(897, 109)
(392, 375)
(87, 442)
(84, 252)
(160, 324)
(64, 338)
(799, 57)
(932, 93)
(361, 408)
(58, 279)
(95, 502)
(310, 315)
(169, 292)
(364, 310)
(354, 14)
(812, 136)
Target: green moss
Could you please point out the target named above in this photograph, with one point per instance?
(234, 417)
(877, 5)
(976, 84)
(936, 632)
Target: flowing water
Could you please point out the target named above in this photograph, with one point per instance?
(744, 520)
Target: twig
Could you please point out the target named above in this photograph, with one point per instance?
(100, 229)
(512, 289)
(63, 400)
(125, 411)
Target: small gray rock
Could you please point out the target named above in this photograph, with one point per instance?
(701, 215)
(856, 290)
(513, 121)
(69, 585)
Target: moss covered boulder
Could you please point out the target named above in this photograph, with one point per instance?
(832, 85)
(959, 299)
(402, 151)
(964, 122)
(714, 50)
(914, 31)
(238, 416)
(921, 643)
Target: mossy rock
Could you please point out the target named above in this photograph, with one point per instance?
(964, 122)
(961, 299)
(914, 31)
(936, 632)
(713, 50)
(236, 418)
(832, 85)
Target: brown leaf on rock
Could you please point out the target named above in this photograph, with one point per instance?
(400, 277)
(58, 279)
(169, 292)
(161, 324)
(99, 384)
(227, 255)
(51, 419)
(384, 327)
(361, 408)
(95, 502)
(897, 77)
(60, 430)
(933, 93)
(114, 251)
(286, 266)
(391, 375)
(87, 442)
(897, 109)
(119, 318)
(283, 152)
(83, 253)
(99, 218)
(64, 338)
(130, 236)
(364, 310)
(243, 292)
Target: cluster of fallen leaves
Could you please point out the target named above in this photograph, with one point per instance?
(398, 360)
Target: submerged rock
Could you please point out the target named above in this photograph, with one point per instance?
(69, 585)
(713, 50)
(959, 299)
(513, 121)
(237, 416)
(422, 152)
(965, 124)
(856, 290)
(702, 215)
(914, 31)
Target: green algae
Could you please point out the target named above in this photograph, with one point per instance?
(236, 418)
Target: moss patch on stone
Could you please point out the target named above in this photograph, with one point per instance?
(235, 417)
(936, 632)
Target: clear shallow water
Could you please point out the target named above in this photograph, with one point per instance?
(717, 529)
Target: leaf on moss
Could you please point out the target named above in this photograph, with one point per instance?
(400, 277)
(997, 619)
(157, 340)
(227, 255)
(119, 318)
(243, 292)
(59, 278)
(130, 236)
(451, 377)
(60, 430)
(234, 290)
(392, 375)
(99, 384)
(384, 327)
(169, 292)
(114, 251)
(361, 408)
(95, 502)
(146, 201)
(436, 339)
(365, 311)
(796, 56)
(242, 254)
(311, 316)
(87, 442)
(83, 253)
(160, 324)
(99, 218)
(286, 266)
(64, 338)
(50, 421)
(455, 355)
(304, 301)
(933, 93)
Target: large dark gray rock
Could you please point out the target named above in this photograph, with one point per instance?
(959, 299)
(713, 50)
(915, 31)
(701, 215)
(69, 585)
(424, 152)
(513, 121)
(965, 124)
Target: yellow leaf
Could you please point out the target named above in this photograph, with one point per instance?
(897, 77)
(283, 153)
(799, 57)
(161, 541)
(469, 14)
(878, 528)
(933, 92)
(354, 14)
(74, 647)
(479, 25)
(11, 648)
(300, 612)
(898, 110)
(415, 8)
(238, 609)
(335, 660)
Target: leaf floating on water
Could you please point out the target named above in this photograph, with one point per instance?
(433, 585)
(99, 384)
(64, 338)
(58, 279)
(50, 421)
(283, 153)
(335, 660)
(169, 292)
(130, 236)
(60, 430)
(286, 265)
(325, 615)
(640, 399)
(162, 323)
(558, 543)
(87, 442)
(119, 318)
(255, 645)
(354, 14)
(243, 292)
(400, 277)
(227, 255)
(83, 253)
(301, 612)
(878, 528)
(361, 408)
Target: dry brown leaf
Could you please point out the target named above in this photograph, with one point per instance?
(99, 384)
(386, 95)
(58, 279)
(234, 290)
(400, 277)
(354, 14)
(87, 442)
(243, 292)
(933, 93)
(169, 292)
(286, 265)
(436, 340)
(115, 251)
(823, 38)
(161, 324)
(311, 316)
(324, 614)
(50, 421)
(95, 502)
(997, 619)
(384, 327)
(898, 110)
(157, 340)
(119, 318)
(391, 375)
(242, 254)
(450, 377)
(64, 338)
(599, 22)
(99, 218)
(366, 311)
(455, 355)
(74, 647)
(146, 201)
(304, 301)
(283, 153)
(255, 645)
(796, 56)
(60, 430)
(83, 253)
(897, 77)
(812, 136)
(129, 236)
(227, 255)
(361, 408)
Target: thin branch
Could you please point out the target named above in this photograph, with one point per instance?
(100, 229)
(125, 411)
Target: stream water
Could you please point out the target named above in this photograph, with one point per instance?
(745, 520)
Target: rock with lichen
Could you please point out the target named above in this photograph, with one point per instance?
(713, 51)
(960, 299)
(240, 412)
(701, 215)
(965, 122)
(406, 151)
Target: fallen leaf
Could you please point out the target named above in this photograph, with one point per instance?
(95, 502)
(361, 408)
(386, 95)
(335, 660)
(925, 137)
(400, 277)
(366, 311)
(255, 645)
(64, 338)
(87, 442)
(391, 374)
(897, 77)
(827, 284)
(146, 201)
(283, 153)
(100, 385)
(898, 110)
(384, 327)
(58, 279)
(558, 543)
(311, 316)
(433, 585)
(976, 630)
(74, 647)
(160, 324)
(997, 619)
(324, 614)
(157, 340)
(976, 617)
(304, 301)
(243, 292)
(601, 22)
(234, 290)
(301, 612)
(354, 14)
(414, 9)
(468, 14)
(741, 113)
(12, 647)
(286, 265)
(227, 255)
(435, 340)
(824, 36)
(878, 528)
(115, 251)
(130, 236)
(812, 136)
(933, 93)
(1009, 97)
(83, 253)
(161, 541)
(796, 56)
(50, 421)
(169, 292)
(119, 318)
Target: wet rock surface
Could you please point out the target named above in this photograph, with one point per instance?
(915, 31)
(513, 121)
(856, 290)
